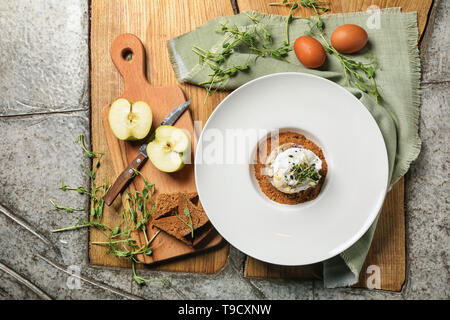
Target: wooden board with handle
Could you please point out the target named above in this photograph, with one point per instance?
(147, 20)
(388, 247)
(128, 55)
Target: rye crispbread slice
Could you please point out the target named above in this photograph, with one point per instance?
(176, 223)
(198, 216)
(174, 227)
(167, 203)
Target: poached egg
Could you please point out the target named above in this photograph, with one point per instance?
(292, 168)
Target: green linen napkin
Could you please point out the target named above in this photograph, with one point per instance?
(393, 41)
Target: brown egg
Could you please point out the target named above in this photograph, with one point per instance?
(349, 38)
(309, 51)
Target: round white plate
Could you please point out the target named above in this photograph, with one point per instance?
(351, 196)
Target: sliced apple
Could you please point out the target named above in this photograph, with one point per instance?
(170, 150)
(130, 121)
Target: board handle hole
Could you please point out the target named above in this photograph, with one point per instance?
(127, 54)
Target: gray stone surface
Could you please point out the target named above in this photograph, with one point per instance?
(40, 151)
(44, 60)
(44, 103)
(428, 200)
(435, 44)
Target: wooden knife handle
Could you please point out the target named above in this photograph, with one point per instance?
(123, 179)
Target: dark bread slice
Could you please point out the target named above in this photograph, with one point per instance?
(167, 203)
(201, 234)
(191, 195)
(198, 216)
(175, 227)
(178, 225)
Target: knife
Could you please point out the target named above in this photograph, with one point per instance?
(128, 174)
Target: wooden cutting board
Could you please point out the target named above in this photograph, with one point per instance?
(128, 55)
(153, 22)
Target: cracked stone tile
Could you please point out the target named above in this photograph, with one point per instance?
(91, 283)
(45, 57)
(17, 240)
(39, 153)
(285, 289)
(428, 201)
(45, 268)
(435, 45)
(321, 293)
(11, 289)
(24, 261)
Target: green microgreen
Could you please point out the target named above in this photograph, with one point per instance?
(88, 153)
(187, 213)
(257, 40)
(83, 224)
(316, 6)
(303, 171)
(313, 4)
(64, 208)
(361, 75)
(141, 281)
(80, 190)
(118, 239)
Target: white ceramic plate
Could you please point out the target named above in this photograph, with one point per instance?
(351, 196)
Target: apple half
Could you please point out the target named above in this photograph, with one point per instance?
(130, 121)
(170, 150)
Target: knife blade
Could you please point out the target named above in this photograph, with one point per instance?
(128, 174)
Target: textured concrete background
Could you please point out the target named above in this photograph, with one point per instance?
(44, 105)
